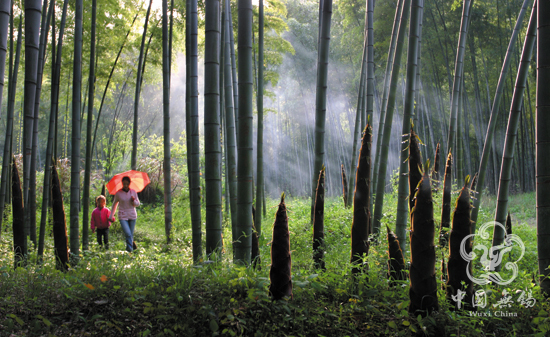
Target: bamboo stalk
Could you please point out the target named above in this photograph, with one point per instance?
(385, 142)
(403, 195)
(212, 148)
(344, 186)
(255, 254)
(59, 224)
(488, 145)
(511, 131)
(8, 140)
(318, 223)
(18, 211)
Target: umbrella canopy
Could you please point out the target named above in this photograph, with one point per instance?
(138, 181)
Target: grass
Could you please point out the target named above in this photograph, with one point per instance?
(157, 291)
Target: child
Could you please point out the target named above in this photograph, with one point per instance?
(101, 221)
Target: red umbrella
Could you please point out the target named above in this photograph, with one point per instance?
(138, 181)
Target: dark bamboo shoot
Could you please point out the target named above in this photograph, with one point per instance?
(361, 226)
(458, 268)
(281, 263)
(423, 287)
(435, 171)
(396, 263)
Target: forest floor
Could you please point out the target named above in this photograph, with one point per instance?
(157, 291)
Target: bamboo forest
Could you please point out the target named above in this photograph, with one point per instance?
(274, 168)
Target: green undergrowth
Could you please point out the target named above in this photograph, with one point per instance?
(157, 291)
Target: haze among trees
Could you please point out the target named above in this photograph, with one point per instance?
(308, 146)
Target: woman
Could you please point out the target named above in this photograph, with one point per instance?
(128, 200)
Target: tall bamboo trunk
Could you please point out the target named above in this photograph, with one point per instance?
(281, 262)
(361, 226)
(255, 257)
(385, 141)
(212, 149)
(242, 243)
(459, 270)
(229, 123)
(75, 144)
(260, 135)
(319, 223)
(358, 114)
(488, 145)
(193, 131)
(50, 145)
(8, 140)
(33, 10)
(138, 90)
(403, 199)
(18, 211)
(457, 81)
(44, 31)
(542, 145)
(423, 288)
(511, 132)
(387, 75)
(459, 144)
(321, 93)
(59, 224)
(5, 14)
(370, 61)
(89, 124)
(109, 82)
(166, 122)
(233, 69)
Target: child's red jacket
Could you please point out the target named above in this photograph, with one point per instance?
(100, 218)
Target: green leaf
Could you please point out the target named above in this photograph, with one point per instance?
(17, 319)
(312, 276)
(392, 325)
(45, 320)
(213, 325)
(406, 323)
